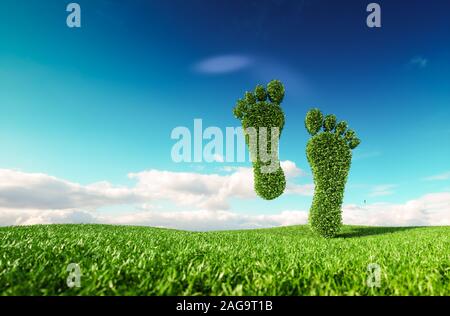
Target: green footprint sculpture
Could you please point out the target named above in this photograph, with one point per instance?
(260, 112)
(329, 153)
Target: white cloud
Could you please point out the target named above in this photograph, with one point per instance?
(430, 209)
(11, 217)
(34, 198)
(209, 191)
(291, 170)
(40, 191)
(20, 190)
(419, 61)
(203, 220)
(296, 189)
(439, 177)
(382, 190)
(203, 191)
(196, 220)
(222, 64)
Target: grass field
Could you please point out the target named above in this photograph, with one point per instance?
(118, 260)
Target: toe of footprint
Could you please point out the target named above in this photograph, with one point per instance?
(315, 123)
(273, 94)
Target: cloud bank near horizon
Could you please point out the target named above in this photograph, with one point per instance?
(36, 198)
(21, 190)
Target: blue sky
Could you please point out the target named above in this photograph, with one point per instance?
(97, 103)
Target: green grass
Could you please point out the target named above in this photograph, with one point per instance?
(118, 260)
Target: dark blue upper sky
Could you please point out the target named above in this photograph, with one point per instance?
(98, 102)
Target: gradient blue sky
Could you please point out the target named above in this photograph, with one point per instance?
(96, 103)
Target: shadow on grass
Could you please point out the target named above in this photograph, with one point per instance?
(371, 231)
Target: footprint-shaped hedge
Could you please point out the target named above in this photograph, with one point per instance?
(329, 152)
(261, 112)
